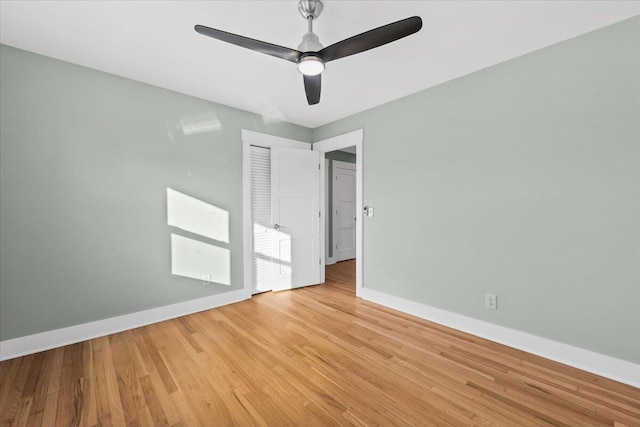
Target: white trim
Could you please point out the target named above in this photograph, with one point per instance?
(599, 364)
(264, 140)
(250, 138)
(328, 260)
(340, 141)
(35, 343)
(323, 250)
(354, 138)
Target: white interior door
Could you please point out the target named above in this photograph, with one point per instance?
(344, 210)
(295, 210)
(261, 259)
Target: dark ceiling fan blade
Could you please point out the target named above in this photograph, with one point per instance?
(312, 88)
(249, 43)
(372, 38)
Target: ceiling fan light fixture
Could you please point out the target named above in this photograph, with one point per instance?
(311, 65)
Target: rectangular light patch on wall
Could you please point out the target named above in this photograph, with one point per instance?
(198, 260)
(194, 215)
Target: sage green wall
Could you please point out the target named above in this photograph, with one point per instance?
(521, 180)
(86, 159)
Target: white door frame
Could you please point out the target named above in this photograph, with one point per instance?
(328, 260)
(250, 138)
(355, 138)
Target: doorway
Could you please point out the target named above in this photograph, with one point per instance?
(341, 218)
(251, 258)
(352, 141)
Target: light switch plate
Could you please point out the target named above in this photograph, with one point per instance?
(491, 301)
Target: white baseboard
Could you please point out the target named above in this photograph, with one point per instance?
(606, 366)
(59, 337)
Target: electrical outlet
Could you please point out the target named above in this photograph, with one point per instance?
(491, 301)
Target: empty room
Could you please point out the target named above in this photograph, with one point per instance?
(318, 213)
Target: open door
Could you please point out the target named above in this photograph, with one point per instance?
(298, 258)
(344, 210)
(295, 210)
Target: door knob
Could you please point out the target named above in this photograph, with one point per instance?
(276, 226)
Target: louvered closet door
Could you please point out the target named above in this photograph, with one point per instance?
(262, 261)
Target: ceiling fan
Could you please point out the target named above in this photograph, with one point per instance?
(311, 56)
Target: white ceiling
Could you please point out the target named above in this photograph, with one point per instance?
(154, 42)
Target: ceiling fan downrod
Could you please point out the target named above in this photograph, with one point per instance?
(310, 10)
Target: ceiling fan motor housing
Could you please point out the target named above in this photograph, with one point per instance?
(310, 8)
(310, 43)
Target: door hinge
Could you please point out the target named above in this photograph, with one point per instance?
(320, 261)
(318, 166)
(319, 214)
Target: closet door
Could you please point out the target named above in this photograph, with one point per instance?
(262, 259)
(295, 209)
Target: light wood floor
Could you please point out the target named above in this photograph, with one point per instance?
(313, 356)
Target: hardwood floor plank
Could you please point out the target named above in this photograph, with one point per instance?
(315, 356)
(42, 385)
(35, 370)
(5, 368)
(13, 401)
(159, 364)
(66, 405)
(22, 414)
(50, 413)
(89, 413)
(126, 376)
(157, 414)
(10, 370)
